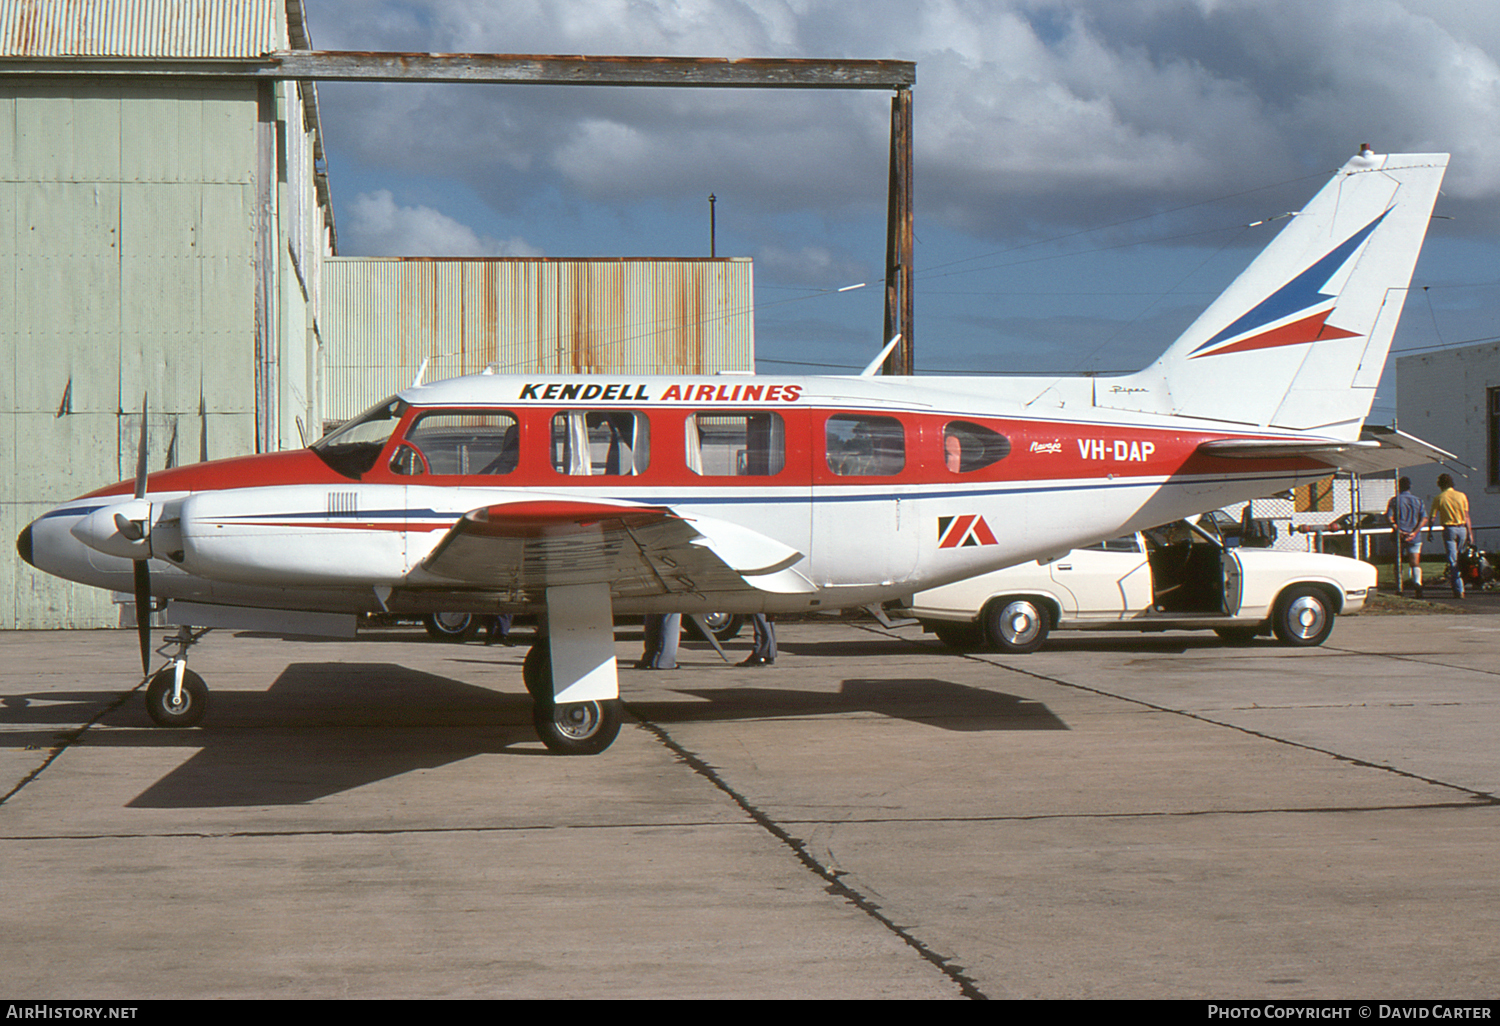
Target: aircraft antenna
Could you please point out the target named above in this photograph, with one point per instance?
(873, 367)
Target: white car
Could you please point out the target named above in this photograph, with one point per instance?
(1175, 577)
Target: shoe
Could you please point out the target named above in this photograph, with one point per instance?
(754, 660)
(1419, 591)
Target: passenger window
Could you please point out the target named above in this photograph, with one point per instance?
(736, 444)
(601, 443)
(969, 447)
(459, 443)
(865, 446)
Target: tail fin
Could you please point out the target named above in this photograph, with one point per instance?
(1299, 339)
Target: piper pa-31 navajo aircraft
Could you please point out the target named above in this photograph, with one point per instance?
(583, 497)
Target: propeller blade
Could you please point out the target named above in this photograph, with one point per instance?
(140, 458)
(142, 571)
(143, 612)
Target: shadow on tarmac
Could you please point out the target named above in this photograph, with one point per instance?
(323, 728)
(926, 700)
(319, 729)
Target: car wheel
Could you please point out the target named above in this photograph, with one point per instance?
(451, 626)
(1303, 617)
(1015, 625)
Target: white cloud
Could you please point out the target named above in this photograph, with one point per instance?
(378, 226)
(812, 266)
(1028, 112)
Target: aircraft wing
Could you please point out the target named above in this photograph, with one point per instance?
(1382, 449)
(639, 551)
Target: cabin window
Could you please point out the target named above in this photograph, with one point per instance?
(860, 446)
(459, 443)
(603, 443)
(736, 444)
(969, 447)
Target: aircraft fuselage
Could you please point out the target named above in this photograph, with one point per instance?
(884, 486)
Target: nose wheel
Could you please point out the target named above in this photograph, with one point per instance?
(176, 696)
(176, 704)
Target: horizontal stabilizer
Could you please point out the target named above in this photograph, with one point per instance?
(1382, 449)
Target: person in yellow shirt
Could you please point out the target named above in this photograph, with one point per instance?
(1451, 510)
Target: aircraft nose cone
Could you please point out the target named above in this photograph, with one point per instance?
(23, 545)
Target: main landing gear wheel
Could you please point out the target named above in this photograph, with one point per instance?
(1303, 618)
(577, 728)
(1015, 625)
(567, 728)
(169, 710)
(536, 671)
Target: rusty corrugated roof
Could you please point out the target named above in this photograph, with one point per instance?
(143, 28)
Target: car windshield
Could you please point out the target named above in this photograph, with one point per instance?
(352, 447)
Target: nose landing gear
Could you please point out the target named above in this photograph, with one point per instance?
(176, 696)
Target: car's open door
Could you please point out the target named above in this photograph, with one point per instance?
(1234, 580)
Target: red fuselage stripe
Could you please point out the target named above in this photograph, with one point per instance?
(1040, 451)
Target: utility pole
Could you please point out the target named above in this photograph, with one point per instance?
(899, 237)
(713, 227)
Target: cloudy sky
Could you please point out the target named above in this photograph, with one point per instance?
(1085, 169)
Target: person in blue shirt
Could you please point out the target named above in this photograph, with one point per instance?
(1408, 518)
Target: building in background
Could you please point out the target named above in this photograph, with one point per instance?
(1451, 398)
(159, 237)
(383, 318)
(171, 236)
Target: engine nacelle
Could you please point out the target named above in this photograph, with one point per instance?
(296, 535)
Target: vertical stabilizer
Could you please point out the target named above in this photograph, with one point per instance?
(1299, 339)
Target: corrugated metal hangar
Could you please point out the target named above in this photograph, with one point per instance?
(382, 317)
(173, 237)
